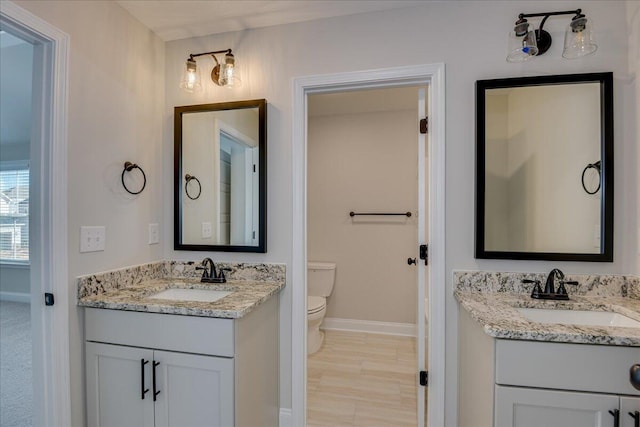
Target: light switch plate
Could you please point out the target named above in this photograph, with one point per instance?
(92, 238)
(206, 230)
(154, 234)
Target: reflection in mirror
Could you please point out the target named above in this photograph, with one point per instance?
(220, 177)
(541, 146)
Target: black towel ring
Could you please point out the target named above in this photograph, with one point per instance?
(128, 167)
(189, 178)
(595, 166)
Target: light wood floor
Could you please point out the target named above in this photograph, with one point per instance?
(361, 379)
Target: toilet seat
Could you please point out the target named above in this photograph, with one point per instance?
(315, 304)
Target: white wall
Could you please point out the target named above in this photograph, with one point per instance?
(633, 37)
(365, 162)
(470, 38)
(116, 96)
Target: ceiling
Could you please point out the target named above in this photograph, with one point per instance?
(180, 19)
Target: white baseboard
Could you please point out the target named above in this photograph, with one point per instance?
(15, 297)
(285, 417)
(386, 328)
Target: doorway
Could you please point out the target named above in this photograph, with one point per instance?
(48, 324)
(427, 75)
(16, 377)
(364, 215)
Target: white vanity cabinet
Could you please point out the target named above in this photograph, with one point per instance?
(529, 407)
(203, 371)
(190, 390)
(511, 383)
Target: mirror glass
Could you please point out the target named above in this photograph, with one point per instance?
(220, 174)
(544, 181)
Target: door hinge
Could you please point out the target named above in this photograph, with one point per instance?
(254, 235)
(48, 298)
(254, 168)
(424, 378)
(424, 253)
(424, 125)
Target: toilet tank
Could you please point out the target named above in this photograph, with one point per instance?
(320, 278)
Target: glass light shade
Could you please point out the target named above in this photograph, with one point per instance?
(578, 39)
(190, 81)
(229, 75)
(522, 43)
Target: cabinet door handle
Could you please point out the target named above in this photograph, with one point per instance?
(156, 392)
(142, 389)
(636, 418)
(616, 417)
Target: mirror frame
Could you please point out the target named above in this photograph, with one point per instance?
(606, 176)
(261, 105)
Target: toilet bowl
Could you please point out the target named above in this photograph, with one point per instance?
(320, 280)
(316, 310)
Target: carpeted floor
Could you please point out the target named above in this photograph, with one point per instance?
(16, 386)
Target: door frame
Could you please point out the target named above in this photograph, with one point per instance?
(48, 228)
(432, 75)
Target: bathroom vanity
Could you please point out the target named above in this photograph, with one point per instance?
(174, 362)
(517, 372)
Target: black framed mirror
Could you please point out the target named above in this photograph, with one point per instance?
(220, 177)
(544, 168)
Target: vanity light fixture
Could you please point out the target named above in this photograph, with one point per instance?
(225, 74)
(525, 42)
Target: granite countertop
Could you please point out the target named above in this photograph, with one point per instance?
(496, 312)
(247, 294)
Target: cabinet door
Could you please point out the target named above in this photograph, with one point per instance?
(529, 407)
(629, 407)
(114, 386)
(195, 391)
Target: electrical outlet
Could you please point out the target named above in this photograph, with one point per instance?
(206, 230)
(92, 238)
(154, 234)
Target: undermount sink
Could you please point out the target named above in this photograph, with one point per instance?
(182, 294)
(578, 317)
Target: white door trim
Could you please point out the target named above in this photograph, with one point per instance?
(49, 231)
(434, 76)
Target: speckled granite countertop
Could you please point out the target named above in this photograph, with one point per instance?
(494, 308)
(246, 296)
(129, 288)
(496, 312)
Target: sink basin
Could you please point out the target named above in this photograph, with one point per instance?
(200, 295)
(578, 317)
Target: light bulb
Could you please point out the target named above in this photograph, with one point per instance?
(229, 72)
(190, 81)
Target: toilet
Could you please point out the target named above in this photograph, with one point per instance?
(320, 280)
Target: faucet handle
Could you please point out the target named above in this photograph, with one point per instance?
(205, 270)
(222, 270)
(561, 289)
(537, 290)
